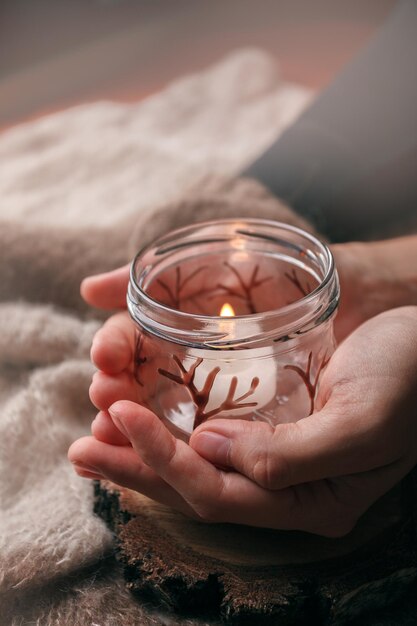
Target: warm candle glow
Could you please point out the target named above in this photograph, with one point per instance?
(227, 310)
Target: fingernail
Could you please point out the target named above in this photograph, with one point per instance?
(117, 343)
(86, 468)
(213, 447)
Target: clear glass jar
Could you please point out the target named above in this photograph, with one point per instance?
(235, 320)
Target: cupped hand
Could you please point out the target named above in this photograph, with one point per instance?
(318, 474)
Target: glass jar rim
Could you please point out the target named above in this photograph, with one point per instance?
(137, 294)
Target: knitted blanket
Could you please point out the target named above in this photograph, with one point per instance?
(80, 191)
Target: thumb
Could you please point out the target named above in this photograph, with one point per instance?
(324, 445)
(107, 291)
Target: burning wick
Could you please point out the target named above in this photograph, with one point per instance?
(227, 310)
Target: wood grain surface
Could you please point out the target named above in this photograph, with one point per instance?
(246, 575)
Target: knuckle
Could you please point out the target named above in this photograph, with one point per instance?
(270, 471)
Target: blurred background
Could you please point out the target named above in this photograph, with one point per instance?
(56, 53)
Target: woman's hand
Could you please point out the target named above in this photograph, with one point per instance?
(374, 277)
(318, 474)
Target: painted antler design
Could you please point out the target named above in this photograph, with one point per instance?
(296, 282)
(175, 294)
(247, 288)
(201, 398)
(139, 359)
(305, 376)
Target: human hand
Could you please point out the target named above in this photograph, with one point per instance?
(374, 277)
(318, 474)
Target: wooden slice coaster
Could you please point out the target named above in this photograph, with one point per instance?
(255, 576)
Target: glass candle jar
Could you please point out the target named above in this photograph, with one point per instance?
(235, 320)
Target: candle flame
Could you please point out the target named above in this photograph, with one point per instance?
(227, 310)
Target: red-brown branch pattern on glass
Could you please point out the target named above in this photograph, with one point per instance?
(139, 359)
(305, 375)
(242, 291)
(296, 282)
(246, 288)
(202, 397)
(175, 293)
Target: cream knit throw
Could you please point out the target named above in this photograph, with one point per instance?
(80, 191)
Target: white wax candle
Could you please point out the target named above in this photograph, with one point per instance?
(245, 370)
(256, 383)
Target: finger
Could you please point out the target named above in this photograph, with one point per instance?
(218, 496)
(107, 291)
(103, 429)
(246, 503)
(214, 495)
(332, 442)
(105, 390)
(121, 465)
(171, 458)
(113, 345)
